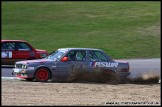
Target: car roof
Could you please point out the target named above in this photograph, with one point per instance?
(81, 48)
(13, 41)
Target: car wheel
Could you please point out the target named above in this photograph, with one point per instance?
(42, 75)
(124, 80)
(109, 77)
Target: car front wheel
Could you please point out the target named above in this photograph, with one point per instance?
(42, 75)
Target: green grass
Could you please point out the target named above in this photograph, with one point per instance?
(122, 29)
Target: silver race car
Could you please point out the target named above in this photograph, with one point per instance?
(69, 64)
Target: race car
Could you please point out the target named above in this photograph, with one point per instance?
(17, 50)
(69, 64)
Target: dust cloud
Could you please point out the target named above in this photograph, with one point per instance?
(145, 77)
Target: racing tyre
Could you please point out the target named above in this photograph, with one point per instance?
(124, 80)
(42, 75)
(109, 77)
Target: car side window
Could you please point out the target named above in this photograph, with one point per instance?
(80, 55)
(77, 55)
(97, 56)
(22, 46)
(3, 46)
(8, 46)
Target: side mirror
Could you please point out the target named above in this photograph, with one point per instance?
(64, 59)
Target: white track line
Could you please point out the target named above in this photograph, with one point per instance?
(9, 78)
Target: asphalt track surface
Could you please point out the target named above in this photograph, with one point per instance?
(138, 67)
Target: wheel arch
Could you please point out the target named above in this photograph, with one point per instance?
(109, 71)
(43, 66)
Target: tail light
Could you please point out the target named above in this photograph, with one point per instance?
(125, 69)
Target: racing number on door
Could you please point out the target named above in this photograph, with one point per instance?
(6, 54)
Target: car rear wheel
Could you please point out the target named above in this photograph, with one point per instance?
(42, 75)
(109, 77)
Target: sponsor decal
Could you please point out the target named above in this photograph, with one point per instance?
(92, 64)
(53, 66)
(16, 70)
(23, 71)
(31, 68)
(104, 64)
(6, 54)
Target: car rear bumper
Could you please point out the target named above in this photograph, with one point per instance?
(123, 74)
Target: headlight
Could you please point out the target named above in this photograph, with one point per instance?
(24, 66)
(43, 55)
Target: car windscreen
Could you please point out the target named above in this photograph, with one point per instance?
(57, 54)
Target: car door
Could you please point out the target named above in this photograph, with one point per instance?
(76, 64)
(101, 63)
(98, 64)
(7, 52)
(22, 51)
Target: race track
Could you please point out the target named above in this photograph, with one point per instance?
(138, 67)
(145, 68)
(20, 93)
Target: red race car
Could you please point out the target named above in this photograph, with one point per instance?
(17, 50)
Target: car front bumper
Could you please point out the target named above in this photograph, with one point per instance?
(23, 73)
